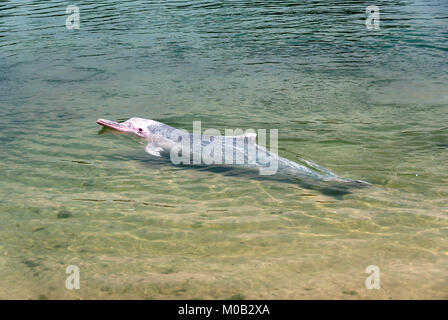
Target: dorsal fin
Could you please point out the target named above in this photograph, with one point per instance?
(250, 135)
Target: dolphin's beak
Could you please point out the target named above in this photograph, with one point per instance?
(113, 125)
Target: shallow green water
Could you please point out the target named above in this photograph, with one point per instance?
(367, 105)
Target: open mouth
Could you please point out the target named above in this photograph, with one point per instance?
(113, 125)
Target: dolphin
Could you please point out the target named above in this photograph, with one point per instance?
(162, 139)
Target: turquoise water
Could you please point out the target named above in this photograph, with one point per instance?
(369, 105)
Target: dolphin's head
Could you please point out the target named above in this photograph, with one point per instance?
(137, 126)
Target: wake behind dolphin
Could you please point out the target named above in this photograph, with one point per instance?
(228, 151)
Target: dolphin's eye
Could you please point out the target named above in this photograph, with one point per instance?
(140, 129)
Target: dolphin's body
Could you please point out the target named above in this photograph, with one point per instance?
(162, 139)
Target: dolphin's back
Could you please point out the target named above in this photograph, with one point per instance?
(240, 151)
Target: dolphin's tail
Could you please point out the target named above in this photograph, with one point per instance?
(331, 176)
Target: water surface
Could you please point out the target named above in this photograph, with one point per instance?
(369, 105)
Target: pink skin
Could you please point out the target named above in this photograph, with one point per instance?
(126, 126)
